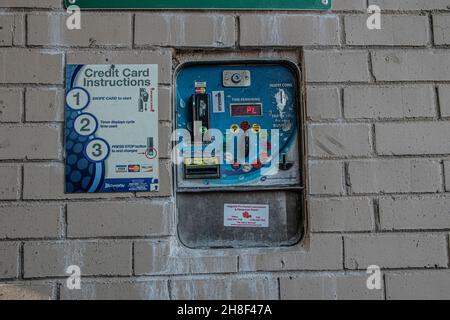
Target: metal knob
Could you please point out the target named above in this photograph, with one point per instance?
(236, 78)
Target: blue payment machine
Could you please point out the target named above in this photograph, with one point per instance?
(238, 154)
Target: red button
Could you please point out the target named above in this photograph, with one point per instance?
(245, 125)
(257, 164)
(236, 165)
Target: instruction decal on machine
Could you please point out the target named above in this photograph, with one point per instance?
(246, 215)
(111, 135)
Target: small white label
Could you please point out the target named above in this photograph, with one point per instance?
(246, 215)
(218, 101)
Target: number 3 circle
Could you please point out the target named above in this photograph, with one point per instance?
(97, 150)
(85, 124)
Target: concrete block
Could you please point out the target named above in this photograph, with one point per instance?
(396, 251)
(395, 176)
(51, 259)
(31, 221)
(341, 215)
(11, 104)
(185, 30)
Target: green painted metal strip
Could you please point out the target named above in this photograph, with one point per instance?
(203, 4)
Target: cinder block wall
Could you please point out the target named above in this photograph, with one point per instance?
(378, 108)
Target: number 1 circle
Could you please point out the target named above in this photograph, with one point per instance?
(78, 99)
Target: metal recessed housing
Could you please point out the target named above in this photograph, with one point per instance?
(256, 198)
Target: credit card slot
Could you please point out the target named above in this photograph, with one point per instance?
(202, 171)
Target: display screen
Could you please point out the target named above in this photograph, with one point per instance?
(250, 109)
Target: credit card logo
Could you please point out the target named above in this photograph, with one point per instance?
(147, 168)
(134, 168)
(121, 169)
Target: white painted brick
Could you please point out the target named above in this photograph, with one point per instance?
(12, 28)
(256, 288)
(165, 142)
(396, 30)
(11, 105)
(19, 37)
(30, 142)
(395, 251)
(341, 215)
(385, 102)
(411, 4)
(447, 175)
(47, 259)
(414, 213)
(30, 66)
(441, 25)
(9, 260)
(118, 219)
(151, 257)
(6, 30)
(411, 65)
(323, 103)
(155, 257)
(165, 104)
(43, 105)
(289, 30)
(395, 176)
(27, 291)
(9, 182)
(185, 30)
(30, 4)
(420, 285)
(339, 140)
(327, 287)
(118, 290)
(349, 5)
(320, 252)
(200, 289)
(444, 99)
(336, 66)
(50, 30)
(326, 177)
(413, 138)
(163, 58)
(31, 221)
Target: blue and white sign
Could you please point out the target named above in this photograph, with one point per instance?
(111, 135)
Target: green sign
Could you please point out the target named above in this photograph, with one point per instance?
(203, 4)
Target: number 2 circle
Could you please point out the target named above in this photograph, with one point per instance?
(97, 150)
(85, 124)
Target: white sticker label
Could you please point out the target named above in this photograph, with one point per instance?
(218, 101)
(246, 215)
